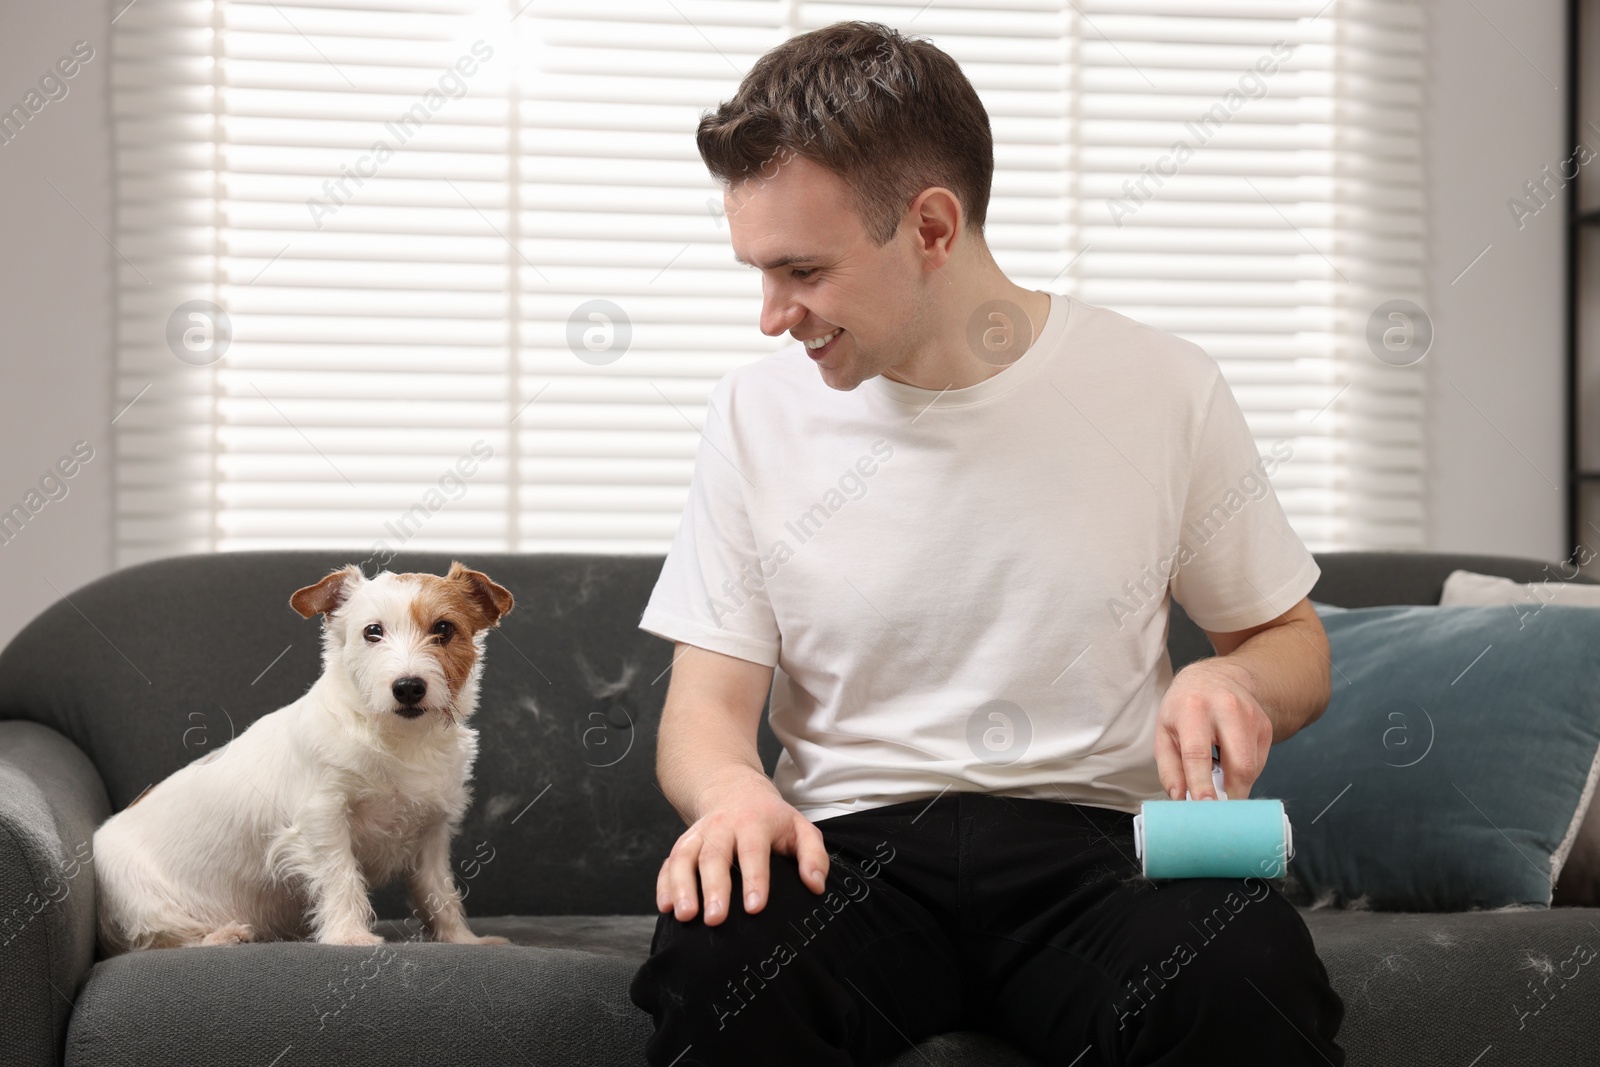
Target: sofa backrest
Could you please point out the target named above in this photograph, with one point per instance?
(155, 665)
(1370, 579)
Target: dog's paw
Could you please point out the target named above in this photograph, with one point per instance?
(474, 939)
(351, 937)
(230, 934)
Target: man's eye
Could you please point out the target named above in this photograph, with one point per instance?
(443, 629)
(805, 273)
(373, 632)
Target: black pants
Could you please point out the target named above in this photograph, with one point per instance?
(1028, 919)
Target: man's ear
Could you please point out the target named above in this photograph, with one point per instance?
(328, 595)
(491, 600)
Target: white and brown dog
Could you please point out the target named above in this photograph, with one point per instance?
(280, 833)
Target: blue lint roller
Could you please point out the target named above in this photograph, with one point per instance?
(1221, 839)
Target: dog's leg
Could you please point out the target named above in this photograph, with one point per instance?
(434, 898)
(318, 851)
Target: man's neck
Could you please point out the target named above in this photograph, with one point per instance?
(955, 366)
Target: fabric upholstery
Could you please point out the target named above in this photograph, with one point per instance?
(1443, 988)
(51, 800)
(1433, 988)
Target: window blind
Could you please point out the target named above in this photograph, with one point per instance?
(450, 275)
(1291, 212)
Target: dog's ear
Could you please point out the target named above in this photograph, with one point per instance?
(491, 600)
(327, 595)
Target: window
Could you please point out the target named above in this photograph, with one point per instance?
(362, 241)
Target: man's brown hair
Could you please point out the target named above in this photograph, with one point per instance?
(891, 115)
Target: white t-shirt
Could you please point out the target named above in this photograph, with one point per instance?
(967, 589)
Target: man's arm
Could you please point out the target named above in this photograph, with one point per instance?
(710, 771)
(1265, 683)
(707, 741)
(1286, 664)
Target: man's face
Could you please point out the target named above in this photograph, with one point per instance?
(820, 272)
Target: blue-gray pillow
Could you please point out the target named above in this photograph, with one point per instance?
(1448, 770)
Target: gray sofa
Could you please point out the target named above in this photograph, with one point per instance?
(138, 673)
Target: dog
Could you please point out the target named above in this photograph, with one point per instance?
(279, 834)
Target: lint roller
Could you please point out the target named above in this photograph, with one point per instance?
(1221, 839)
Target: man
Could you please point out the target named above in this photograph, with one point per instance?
(943, 531)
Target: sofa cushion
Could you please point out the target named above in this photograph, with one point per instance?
(1448, 988)
(1580, 876)
(1416, 989)
(558, 995)
(248, 1005)
(1448, 769)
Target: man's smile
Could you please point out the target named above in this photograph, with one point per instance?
(817, 347)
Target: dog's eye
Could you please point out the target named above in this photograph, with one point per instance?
(373, 632)
(443, 629)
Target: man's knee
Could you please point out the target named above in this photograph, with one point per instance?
(754, 987)
(1226, 930)
(717, 970)
(1249, 931)
(1234, 955)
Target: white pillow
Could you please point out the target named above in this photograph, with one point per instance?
(1465, 587)
(1580, 876)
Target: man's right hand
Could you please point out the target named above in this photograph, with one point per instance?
(747, 823)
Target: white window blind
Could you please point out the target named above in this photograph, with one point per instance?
(400, 206)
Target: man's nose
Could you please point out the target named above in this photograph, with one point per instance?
(779, 314)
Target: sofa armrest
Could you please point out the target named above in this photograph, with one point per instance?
(51, 801)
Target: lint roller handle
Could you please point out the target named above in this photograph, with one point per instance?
(1216, 775)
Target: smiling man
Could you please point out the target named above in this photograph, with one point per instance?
(969, 719)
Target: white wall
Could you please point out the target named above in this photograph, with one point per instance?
(1492, 122)
(56, 304)
(1496, 423)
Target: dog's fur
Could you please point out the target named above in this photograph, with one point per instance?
(281, 833)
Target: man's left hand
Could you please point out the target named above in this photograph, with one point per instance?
(1210, 703)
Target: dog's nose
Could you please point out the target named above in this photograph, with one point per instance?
(409, 691)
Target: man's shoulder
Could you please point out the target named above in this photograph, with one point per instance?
(1126, 338)
(1122, 353)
